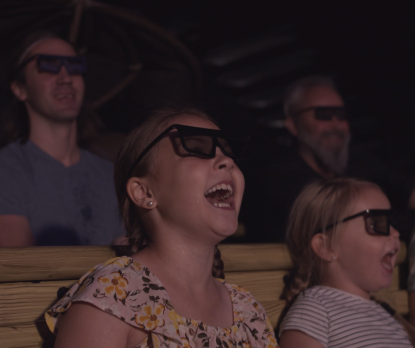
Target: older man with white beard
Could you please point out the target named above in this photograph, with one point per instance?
(315, 116)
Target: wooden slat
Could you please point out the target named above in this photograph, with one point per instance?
(255, 257)
(398, 300)
(273, 309)
(26, 302)
(50, 263)
(264, 285)
(53, 263)
(402, 254)
(20, 336)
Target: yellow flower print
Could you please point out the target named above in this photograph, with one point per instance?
(151, 319)
(185, 342)
(173, 317)
(136, 266)
(271, 341)
(118, 261)
(246, 345)
(237, 288)
(116, 283)
(227, 331)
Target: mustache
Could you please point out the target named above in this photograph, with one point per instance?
(337, 133)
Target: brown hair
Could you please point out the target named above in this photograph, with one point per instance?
(14, 120)
(319, 204)
(137, 140)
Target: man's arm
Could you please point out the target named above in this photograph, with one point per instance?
(15, 231)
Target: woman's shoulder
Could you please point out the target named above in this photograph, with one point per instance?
(248, 310)
(243, 299)
(121, 287)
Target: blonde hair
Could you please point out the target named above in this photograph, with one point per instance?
(319, 204)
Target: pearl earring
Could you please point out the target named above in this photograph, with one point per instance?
(333, 257)
(149, 203)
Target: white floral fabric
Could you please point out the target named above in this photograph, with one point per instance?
(133, 294)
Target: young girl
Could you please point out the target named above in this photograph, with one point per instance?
(179, 193)
(343, 247)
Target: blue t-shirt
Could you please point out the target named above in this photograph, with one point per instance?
(73, 205)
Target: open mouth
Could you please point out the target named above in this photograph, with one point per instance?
(220, 195)
(65, 96)
(388, 261)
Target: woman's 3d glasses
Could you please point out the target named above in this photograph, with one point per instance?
(326, 113)
(377, 221)
(52, 64)
(202, 142)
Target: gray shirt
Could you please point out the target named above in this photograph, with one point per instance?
(73, 205)
(338, 319)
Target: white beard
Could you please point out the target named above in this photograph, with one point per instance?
(335, 159)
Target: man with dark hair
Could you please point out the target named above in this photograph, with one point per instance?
(315, 116)
(51, 191)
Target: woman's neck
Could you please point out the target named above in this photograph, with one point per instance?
(335, 279)
(187, 261)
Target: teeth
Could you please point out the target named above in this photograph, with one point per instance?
(222, 205)
(387, 266)
(221, 187)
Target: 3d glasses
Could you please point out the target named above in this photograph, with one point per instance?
(202, 142)
(52, 64)
(377, 221)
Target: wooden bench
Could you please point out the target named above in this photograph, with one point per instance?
(30, 278)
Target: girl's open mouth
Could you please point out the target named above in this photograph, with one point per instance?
(220, 195)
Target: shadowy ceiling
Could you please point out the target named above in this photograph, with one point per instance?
(249, 52)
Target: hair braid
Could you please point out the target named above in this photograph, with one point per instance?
(218, 266)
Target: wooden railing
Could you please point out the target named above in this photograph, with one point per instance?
(30, 278)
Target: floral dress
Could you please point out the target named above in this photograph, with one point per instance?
(129, 291)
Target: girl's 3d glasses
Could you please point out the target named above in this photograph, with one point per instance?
(201, 142)
(52, 64)
(377, 221)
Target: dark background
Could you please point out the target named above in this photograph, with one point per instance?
(369, 49)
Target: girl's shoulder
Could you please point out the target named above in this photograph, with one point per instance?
(132, 293)
(121, 287)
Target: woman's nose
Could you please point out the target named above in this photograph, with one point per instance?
(223, 161)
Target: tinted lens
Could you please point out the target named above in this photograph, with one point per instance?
(198, 144)
(323, 114)
(326, 114)
(377, 224)
(51, 65)
(234, 147)
(75, 65)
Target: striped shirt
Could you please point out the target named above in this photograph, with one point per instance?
(340, 319)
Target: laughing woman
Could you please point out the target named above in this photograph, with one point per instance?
(179, 193)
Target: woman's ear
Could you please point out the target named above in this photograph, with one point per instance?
(140, 193)
(321, 245)
(18, 90)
